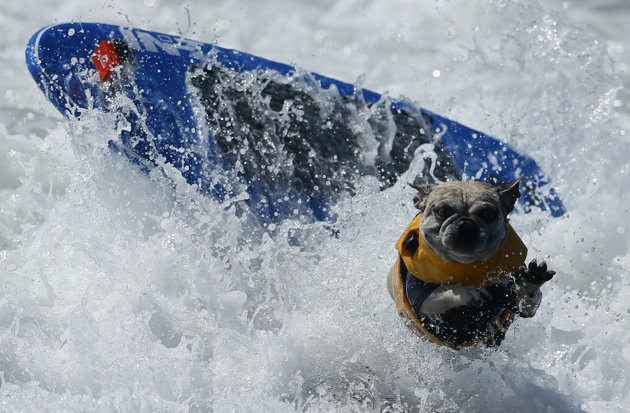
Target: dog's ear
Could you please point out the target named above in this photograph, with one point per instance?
(420, 199)
(509, 192)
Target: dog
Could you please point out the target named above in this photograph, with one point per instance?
(460, 277)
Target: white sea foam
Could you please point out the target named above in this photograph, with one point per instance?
(127, 292)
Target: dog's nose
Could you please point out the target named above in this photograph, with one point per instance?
(465, 224)
(467, 231)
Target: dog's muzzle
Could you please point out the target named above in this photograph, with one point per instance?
(465, 235)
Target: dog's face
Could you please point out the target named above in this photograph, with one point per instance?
(465, 221)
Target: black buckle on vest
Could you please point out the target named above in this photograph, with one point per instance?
(411, 243)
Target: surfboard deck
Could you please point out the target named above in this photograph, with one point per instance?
(284, 141)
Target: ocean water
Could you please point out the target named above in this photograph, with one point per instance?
(120, 291)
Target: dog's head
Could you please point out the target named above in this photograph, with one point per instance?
(465, 221)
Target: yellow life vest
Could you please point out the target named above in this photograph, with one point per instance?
(429, 267)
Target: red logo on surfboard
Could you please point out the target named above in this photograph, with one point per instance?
(106, 59)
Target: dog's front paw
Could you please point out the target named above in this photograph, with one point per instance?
(529, 280)
(447, 297)
(529, 300)
(535, 273)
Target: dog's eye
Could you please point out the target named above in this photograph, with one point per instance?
(443, 211)
(489, 214)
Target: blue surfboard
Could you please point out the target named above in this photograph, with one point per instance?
(282, 141)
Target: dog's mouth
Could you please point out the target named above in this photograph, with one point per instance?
(466, 239)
